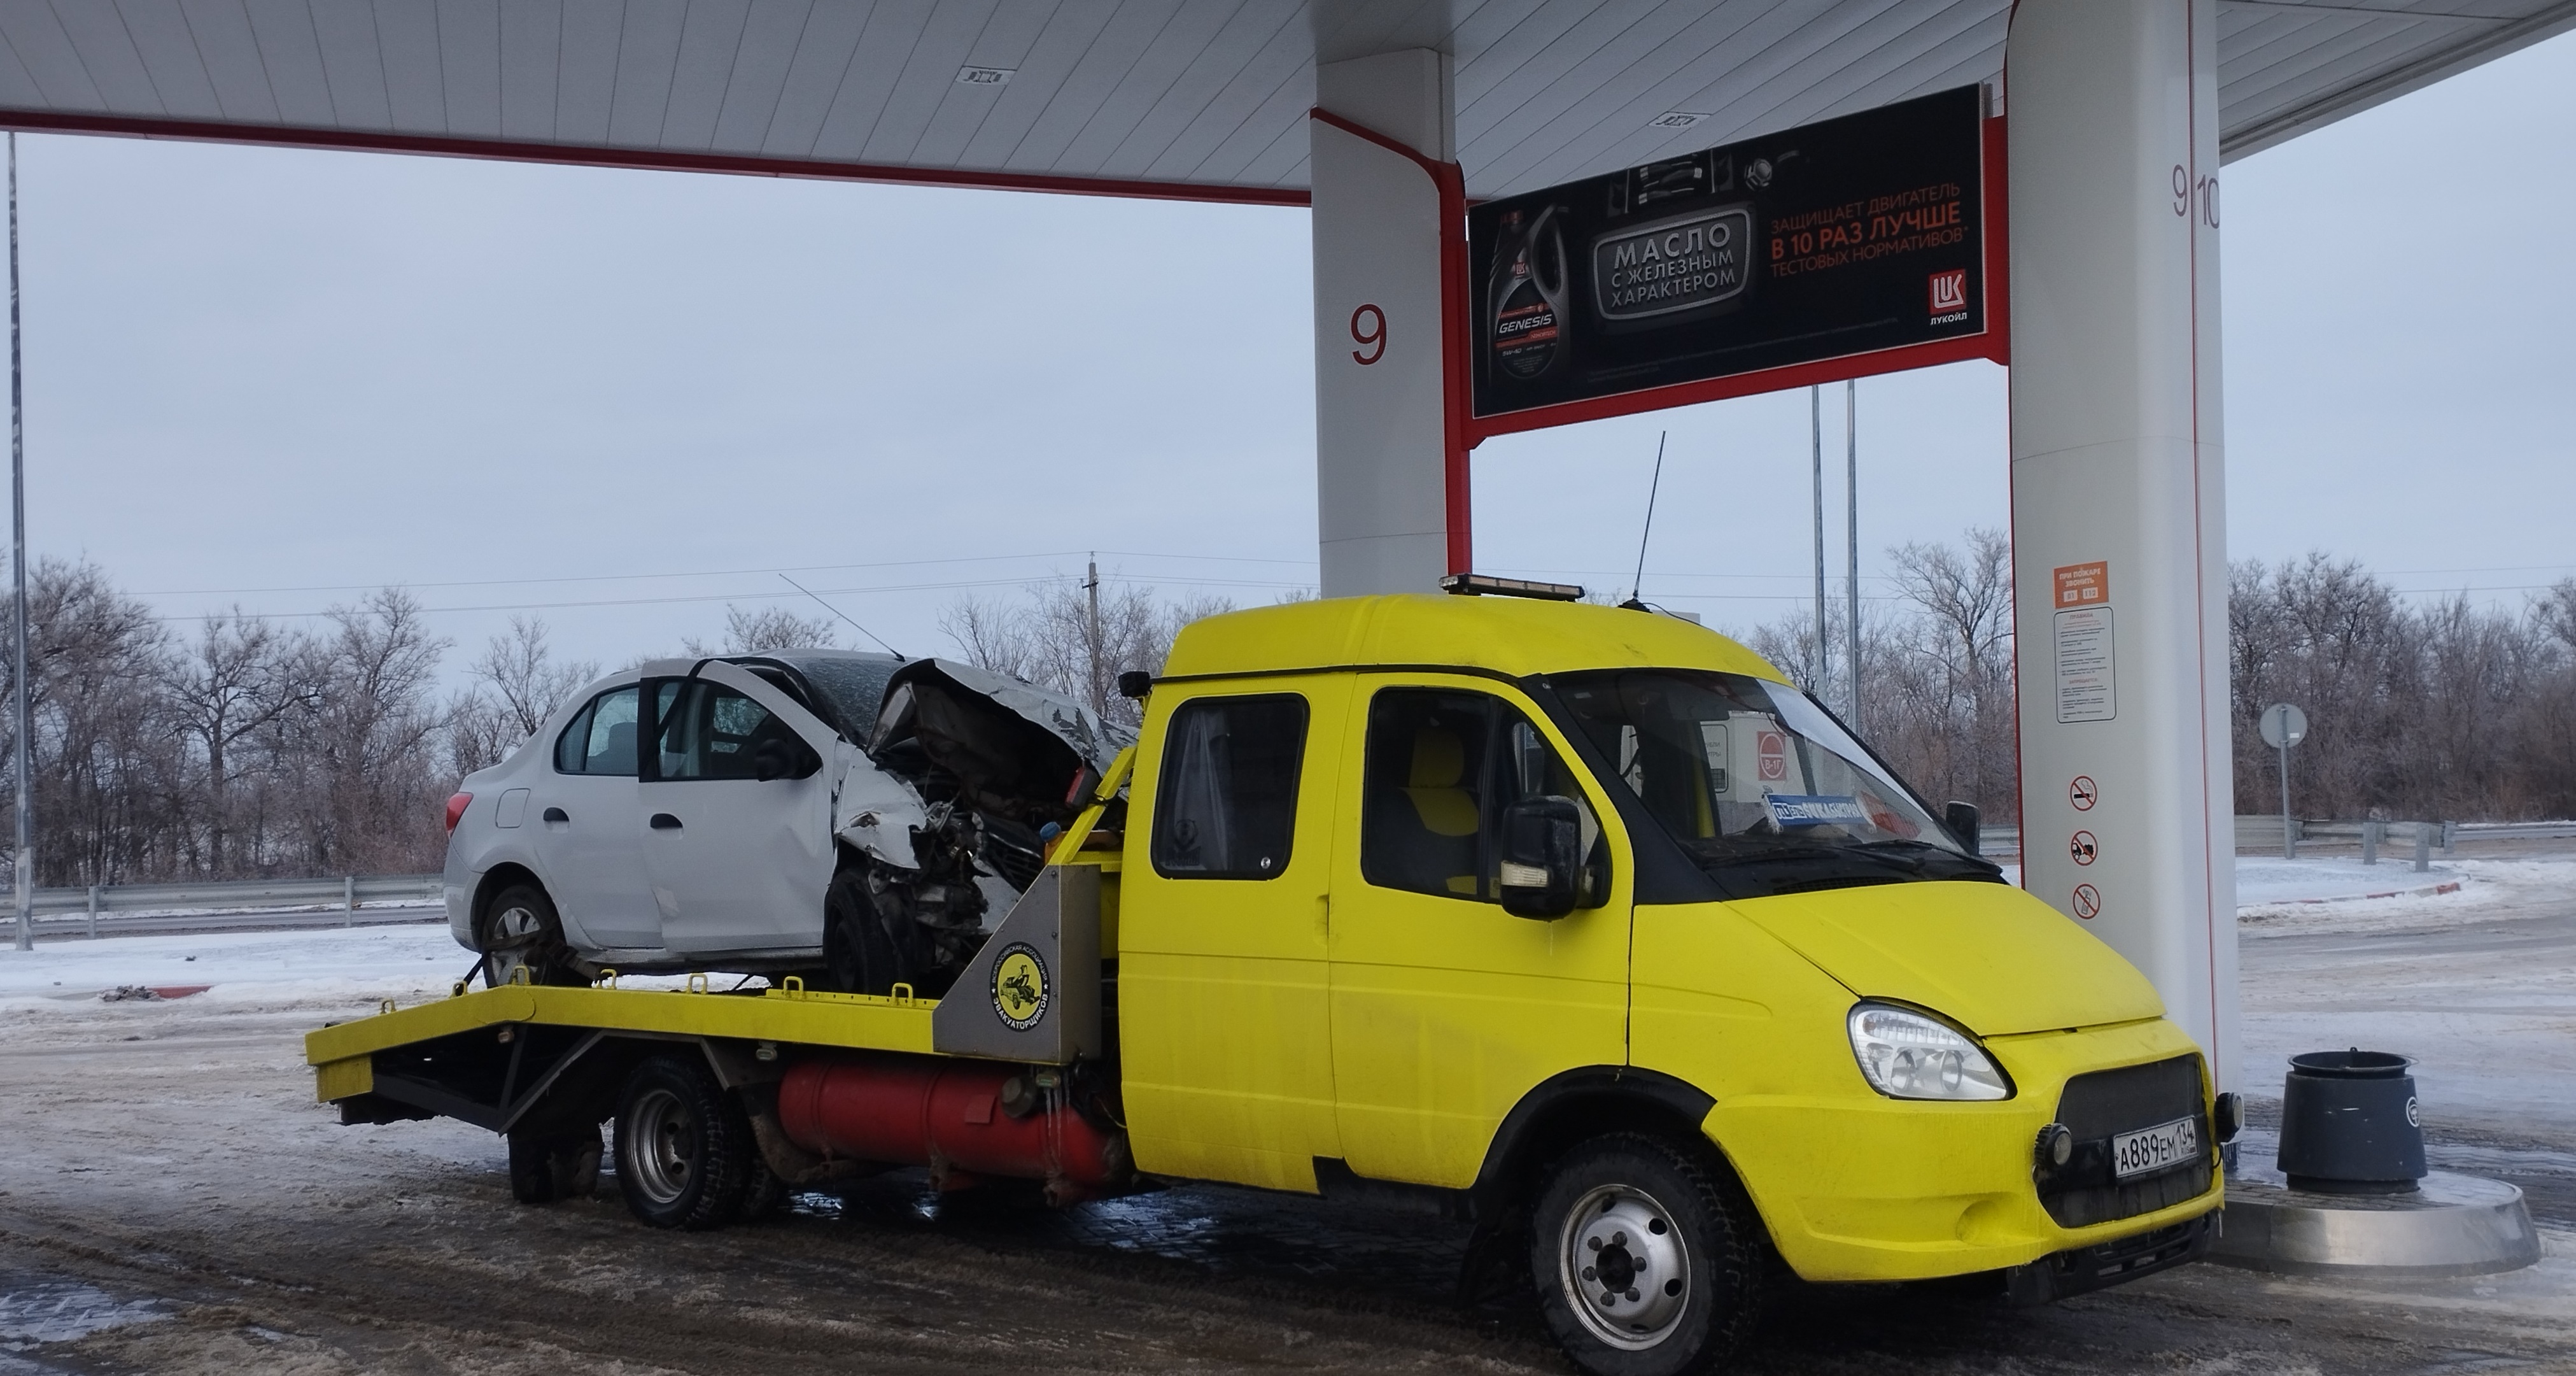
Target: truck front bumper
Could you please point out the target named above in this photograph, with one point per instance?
(1856, 1187)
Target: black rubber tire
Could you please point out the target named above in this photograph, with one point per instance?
(684, 1148)
(538, 941)
(763, 1192)
(858, 957)
(1720, 1240)
(545, 1167)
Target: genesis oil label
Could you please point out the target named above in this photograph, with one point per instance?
(1525, 318)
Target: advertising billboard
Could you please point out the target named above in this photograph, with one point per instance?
(1853, 236)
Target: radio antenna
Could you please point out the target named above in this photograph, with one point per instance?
(845, 616)
(1651, 489)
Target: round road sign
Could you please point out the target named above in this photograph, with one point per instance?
(2284, 726)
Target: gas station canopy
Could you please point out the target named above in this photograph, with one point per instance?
(1194, 99)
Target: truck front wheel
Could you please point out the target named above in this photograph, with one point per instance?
(684, 1148)
(1647, 1257)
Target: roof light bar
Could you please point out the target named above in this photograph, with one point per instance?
(1486, 585)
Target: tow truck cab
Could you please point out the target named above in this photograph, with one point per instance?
(1336, 959)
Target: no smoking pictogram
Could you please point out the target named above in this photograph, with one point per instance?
(2083, 792)
(2088, 901)
(2083, 847)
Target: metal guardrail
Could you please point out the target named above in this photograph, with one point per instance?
(229, 903)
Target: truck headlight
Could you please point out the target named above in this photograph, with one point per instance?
(1907, 1055)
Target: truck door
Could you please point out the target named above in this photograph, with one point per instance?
(589, 839)
(1223, 1027)
(1445, 1008)
(739, 863)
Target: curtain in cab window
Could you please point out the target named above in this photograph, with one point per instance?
(1227, 806)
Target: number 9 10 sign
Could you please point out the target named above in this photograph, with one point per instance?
(1368, 329)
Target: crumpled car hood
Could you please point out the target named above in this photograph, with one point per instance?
(1989, 957)
(1017, 751)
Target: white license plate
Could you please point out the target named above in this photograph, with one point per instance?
(2153, 1149)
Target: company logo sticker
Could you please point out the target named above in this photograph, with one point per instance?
(1949, 291)
(1020, 986)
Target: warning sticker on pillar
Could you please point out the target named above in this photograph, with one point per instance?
(2087, 665)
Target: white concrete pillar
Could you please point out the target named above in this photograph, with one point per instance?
(2119, 488)
(1388, 463)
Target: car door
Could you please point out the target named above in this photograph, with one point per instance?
(738, 863)
(589, 843)
(1223, 1021)
(1445, 1008)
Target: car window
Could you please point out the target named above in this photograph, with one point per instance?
(709, 731)
(601, 739)
(1442, 769)
(1227, 804)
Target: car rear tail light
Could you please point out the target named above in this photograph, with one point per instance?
(456, 809)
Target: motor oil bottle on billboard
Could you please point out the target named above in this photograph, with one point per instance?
(1526, 320)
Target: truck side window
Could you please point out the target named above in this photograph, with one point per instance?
(1227, 805)
(601, 740)
(1442, 769)
(1422, 811)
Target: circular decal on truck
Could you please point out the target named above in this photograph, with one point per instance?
(1020, 986)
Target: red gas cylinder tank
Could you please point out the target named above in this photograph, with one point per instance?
(949, 1116)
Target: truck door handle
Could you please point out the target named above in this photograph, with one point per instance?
(663, 821)
(556, 814)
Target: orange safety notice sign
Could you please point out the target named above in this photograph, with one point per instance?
(2083, 585)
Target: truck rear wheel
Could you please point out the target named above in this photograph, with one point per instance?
(684, 1148)
(1646, 1256)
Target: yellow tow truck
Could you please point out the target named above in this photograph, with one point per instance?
(1579, 922)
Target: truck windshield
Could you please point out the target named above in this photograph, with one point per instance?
(1758, 784)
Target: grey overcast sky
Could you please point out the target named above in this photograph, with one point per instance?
(620, 400)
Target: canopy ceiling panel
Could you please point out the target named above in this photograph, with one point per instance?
(1202, 99)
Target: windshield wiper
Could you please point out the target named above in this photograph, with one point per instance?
(1932, 851)
(1814, 850)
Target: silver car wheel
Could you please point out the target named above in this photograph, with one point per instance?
(1624, 1266)
(516, 930)
(664, 1153)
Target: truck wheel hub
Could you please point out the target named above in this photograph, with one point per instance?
(1624, 1267)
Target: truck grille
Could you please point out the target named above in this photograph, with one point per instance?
(2098, 1105)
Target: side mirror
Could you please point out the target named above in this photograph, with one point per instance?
(775, 759)
(1542, 857)
(1961, 819)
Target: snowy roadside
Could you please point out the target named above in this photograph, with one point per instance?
(2328, 896)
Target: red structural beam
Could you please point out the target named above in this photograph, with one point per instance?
(643, 159)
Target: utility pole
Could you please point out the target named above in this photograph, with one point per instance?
(1091, 635)
(1851, 541)
(26, 855)
(1816, 436)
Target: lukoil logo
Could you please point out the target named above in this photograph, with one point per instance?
(1950, 291)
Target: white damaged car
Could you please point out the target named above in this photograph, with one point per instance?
(858, 818)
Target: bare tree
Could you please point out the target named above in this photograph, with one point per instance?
(1051, 638)
(233, 683)
(521, 671)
